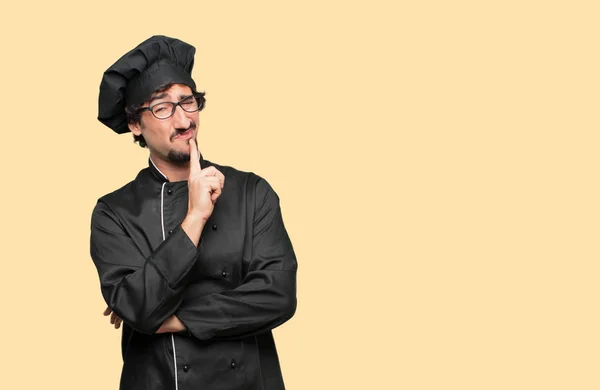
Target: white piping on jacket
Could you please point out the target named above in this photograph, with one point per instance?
(162, 224)
(152, 161)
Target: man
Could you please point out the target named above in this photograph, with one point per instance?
(193, 257)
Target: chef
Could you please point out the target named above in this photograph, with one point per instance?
(193, 257)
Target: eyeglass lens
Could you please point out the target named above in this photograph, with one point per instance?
(166, 109)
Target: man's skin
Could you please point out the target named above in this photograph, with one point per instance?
(177, 134)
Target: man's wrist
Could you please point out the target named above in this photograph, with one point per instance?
(192, 225)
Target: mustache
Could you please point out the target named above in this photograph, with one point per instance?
(181, 131)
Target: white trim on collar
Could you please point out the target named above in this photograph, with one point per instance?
(165, 176)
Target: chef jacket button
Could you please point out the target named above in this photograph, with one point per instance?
(170, 231)
(232, 364)
(224, 273)
(186, 367)
(215, 227)
(169, 191)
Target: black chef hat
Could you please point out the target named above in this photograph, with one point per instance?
(157, 61)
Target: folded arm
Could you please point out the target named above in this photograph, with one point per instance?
(143, 292)
(267, 296)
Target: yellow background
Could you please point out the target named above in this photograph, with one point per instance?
(437, 164)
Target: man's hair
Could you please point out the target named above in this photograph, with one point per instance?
(133, 116)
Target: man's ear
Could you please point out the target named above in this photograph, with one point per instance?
(135, 128)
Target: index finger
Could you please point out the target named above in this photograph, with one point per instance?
(194, 161)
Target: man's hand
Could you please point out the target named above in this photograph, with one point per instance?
(114, 318)
(204, 185)
(171, 324)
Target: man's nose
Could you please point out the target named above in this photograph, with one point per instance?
(180, 120)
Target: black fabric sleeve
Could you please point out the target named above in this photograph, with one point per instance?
(267, 296)
(143, 292)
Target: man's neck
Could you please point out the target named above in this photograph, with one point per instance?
(173, 172)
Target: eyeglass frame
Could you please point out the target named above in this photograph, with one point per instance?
(199, 96)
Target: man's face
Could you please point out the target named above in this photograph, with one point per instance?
(168, 138)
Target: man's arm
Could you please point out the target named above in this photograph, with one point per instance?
(267, 296)
(143, 292)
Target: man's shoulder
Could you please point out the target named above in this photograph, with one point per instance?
(248, 180)
(228, 170)
(128, 192)
(236, 176)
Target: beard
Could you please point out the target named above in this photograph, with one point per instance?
(178, 157)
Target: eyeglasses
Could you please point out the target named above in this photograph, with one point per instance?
(166, 110)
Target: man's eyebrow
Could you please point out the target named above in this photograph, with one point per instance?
(159, 96)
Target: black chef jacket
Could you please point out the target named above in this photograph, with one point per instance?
(229, 292)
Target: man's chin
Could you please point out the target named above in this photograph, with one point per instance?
(178, 157)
